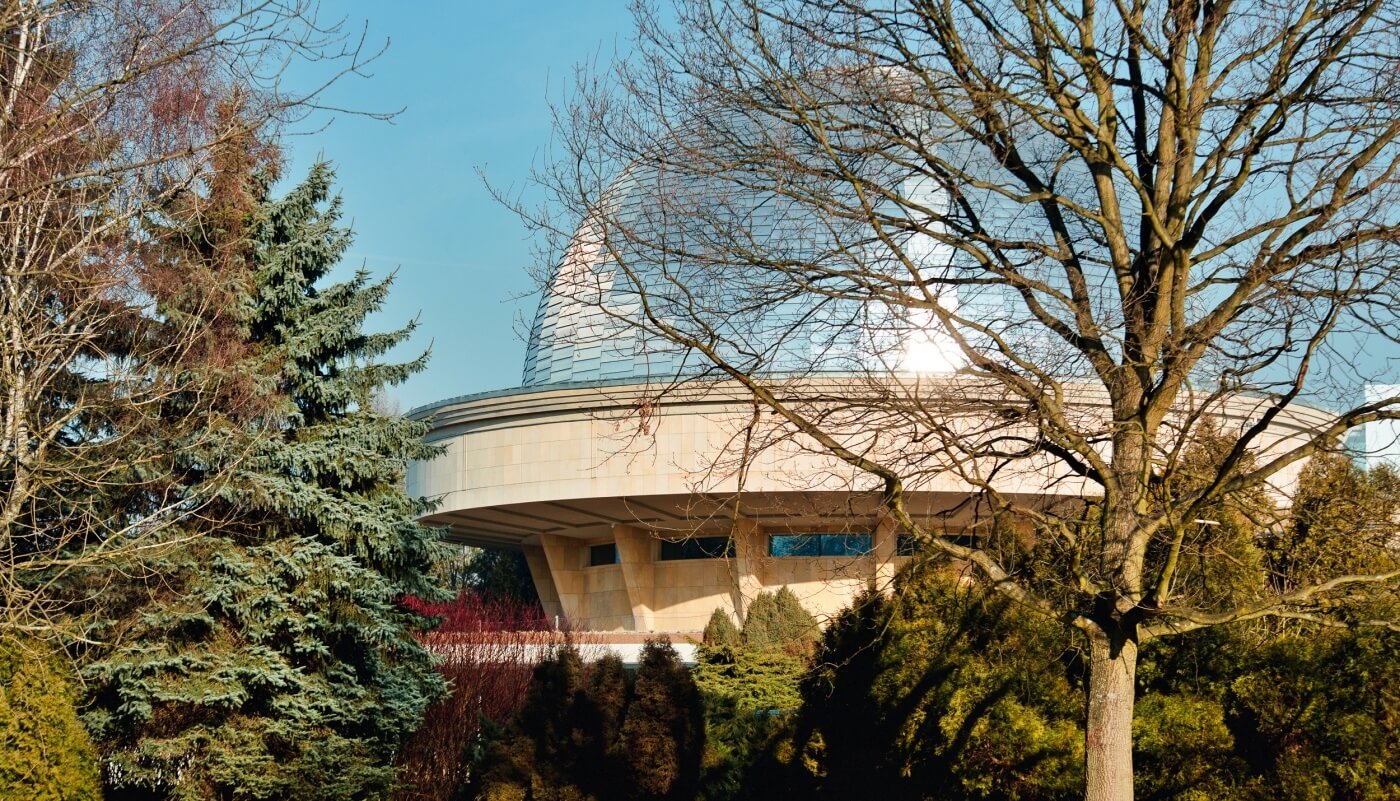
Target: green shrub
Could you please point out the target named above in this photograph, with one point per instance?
(749, 681)
(721, 630)
(45, 753)
(945, 692)
(1318, 715)
(777, 620)
(949, 692)
(751, 698)
(590, 732)
(1183, 749)
(663, 735)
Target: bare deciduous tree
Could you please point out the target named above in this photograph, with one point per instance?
(1038, 240)
(111, 112)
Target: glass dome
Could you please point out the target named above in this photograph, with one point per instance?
(752, 272)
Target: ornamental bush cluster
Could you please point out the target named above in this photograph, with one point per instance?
(749, 679)
(599, 732)
(948, 692)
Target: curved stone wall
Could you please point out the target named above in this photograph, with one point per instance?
(554, 471)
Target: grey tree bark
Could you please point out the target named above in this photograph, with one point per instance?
(1108, 735)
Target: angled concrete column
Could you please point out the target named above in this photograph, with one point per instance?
(884, 549)
(750, 549)
(565, 559)
(544, 581)
(634, 552)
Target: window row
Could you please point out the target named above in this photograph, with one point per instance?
(815, 544)
(820, 544)
(691, 548)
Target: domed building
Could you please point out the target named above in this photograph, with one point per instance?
(646, 492)
(614, 467)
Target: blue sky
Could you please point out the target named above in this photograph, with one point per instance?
(474, 79)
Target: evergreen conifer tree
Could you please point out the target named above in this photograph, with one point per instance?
(776, 620)
(275, 661)
(538, 758)
(663, 736)
(749, 682)
(590, 732)
(944, 686)
(720, 631)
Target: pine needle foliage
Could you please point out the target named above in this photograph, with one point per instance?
(276, 662)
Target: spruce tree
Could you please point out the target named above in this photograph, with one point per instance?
(275, 660)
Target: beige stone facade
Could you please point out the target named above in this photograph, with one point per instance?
(557, 471)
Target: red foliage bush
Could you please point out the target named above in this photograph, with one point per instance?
(488, 646)
(469, 613)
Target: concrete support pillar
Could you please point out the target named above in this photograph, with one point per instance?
(635, 551)
(884, 548)
(750, 550)
(564, 556)
(544, 581)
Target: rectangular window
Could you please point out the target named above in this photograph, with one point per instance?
(819, 545)
(795, 545)
(602, 554)
(697, 548)
(846, 544)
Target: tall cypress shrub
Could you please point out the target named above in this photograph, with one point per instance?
(663, 736)
(45, 755)
(588, 732)
(776, 620)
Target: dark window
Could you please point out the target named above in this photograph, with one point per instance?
(602, 554)
(697, 548)
(819, 545)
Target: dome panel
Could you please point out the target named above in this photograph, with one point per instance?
(724, 264)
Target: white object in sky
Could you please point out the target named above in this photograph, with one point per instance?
(1382, 437)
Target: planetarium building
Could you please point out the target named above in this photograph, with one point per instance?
(646, 492)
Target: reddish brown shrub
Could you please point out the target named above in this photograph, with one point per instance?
(489, 646)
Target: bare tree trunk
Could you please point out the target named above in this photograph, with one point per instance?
(1108, 740)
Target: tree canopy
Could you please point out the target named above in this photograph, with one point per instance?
(112, 113)
(1046, 247)
(276, 660)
